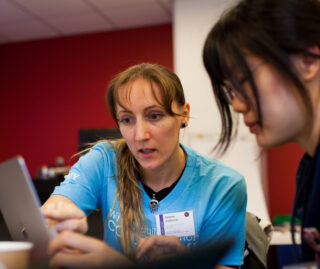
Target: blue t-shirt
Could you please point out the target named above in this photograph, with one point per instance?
(212, 192)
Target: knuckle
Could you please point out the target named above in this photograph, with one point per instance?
(153, 237)
(65, 235)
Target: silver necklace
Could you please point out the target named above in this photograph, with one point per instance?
(153, 203)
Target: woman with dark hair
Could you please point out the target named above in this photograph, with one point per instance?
(157, 196)
(263, 59)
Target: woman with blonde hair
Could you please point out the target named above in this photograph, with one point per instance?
(145, 182)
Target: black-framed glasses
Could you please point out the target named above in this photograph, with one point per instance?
(229, 90)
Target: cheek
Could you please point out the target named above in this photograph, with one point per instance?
(127, 135)
(283, 123)
(272, 98)
(168, 125)
(172, 130)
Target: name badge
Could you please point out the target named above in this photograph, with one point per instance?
(178, 224)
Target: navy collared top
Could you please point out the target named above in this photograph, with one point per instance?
(307, 201)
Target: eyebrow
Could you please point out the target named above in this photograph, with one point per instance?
(152, 107)
(124, 110)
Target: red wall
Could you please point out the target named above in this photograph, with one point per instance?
(49, 89)
(282, 164)
(52, 88)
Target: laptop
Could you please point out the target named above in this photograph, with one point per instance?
(20, 207)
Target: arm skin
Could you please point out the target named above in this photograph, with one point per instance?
(156, 247)
(75, 250)
(72, 249)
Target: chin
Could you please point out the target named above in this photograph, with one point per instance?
(266, 142)
(149, 166)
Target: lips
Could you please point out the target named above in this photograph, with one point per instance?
(146, 151)
(253, 127)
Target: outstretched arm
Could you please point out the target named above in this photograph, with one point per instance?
(75, 250)
(64, 214)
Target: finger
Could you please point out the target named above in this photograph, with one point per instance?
(70, 260)
(172, 243)
(46, 209)
(62, 210)
(64, 213)
(148, 245)
(53, 206)
(52, 222)
(141, 241)
(155, 253)
(166, 243)
(77, 225)
(145, 246)
(47, 206)
(69, 239)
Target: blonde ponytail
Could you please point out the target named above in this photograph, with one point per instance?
(129, 195)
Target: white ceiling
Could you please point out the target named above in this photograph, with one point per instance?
(22, 20)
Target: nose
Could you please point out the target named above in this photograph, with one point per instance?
(239, 105)
(142, 130)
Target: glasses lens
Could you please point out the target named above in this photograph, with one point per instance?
(228, 92)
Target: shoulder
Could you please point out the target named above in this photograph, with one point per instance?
(94, 166)
(101, 149)
(104, 147)
(100, 154)
(211, 169)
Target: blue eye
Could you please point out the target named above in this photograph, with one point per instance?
(126, 120)
(155, 116)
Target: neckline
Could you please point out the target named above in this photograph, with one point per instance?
(162, 193)
(180, 187)
(158, 196)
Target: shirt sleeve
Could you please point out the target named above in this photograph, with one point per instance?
(84, 182)
(226, 218)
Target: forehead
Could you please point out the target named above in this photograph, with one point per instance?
(251, 58)
(236, 61)
(139, 91)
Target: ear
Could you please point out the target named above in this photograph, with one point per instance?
(186, 113)
(308, 66)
